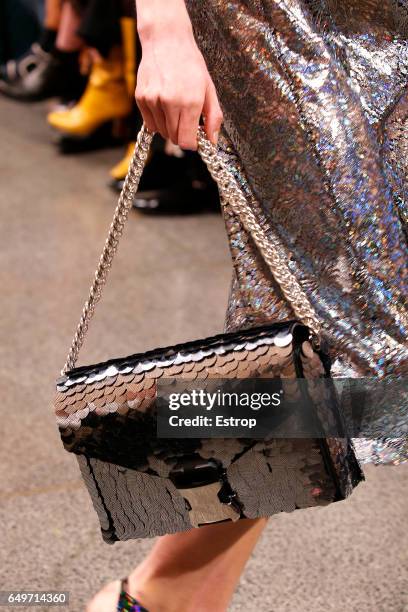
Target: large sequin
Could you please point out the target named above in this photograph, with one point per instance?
(315, 130)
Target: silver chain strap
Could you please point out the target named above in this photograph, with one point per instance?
(120, 216)
(230, 193)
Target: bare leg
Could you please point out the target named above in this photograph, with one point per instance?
(195, 571)
(52, 14)
(67, 38)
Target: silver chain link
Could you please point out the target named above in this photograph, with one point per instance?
(267, 243)
(120, 216)
(230, 193)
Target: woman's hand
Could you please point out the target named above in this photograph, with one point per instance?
(173, 84)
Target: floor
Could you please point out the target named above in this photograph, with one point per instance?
(169, 283)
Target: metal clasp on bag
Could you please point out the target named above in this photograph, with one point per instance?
(203, 484)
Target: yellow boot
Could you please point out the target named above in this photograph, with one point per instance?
(119, 172)
(105, 98)
(128, 28)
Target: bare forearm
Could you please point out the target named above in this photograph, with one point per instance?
(161, 18)
(174, 87)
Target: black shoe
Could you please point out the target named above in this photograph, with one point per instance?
(54, 75)
(175, 185)
(14, 70)
(178, 200)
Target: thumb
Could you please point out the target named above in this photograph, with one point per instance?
(212, 113)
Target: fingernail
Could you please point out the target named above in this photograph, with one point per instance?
(215, 137)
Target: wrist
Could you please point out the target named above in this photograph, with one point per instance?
(157, 19)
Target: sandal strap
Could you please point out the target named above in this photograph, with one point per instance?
(126, 602)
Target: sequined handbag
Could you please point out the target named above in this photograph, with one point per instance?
(144, 486)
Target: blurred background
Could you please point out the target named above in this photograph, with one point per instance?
(68, 123)
(82, 56)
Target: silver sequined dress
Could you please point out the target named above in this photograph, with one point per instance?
(314, 96)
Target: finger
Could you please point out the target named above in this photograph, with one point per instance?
(188, 126)
(172, 115)
(159, 118)
(147, 116)
(212, 113)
